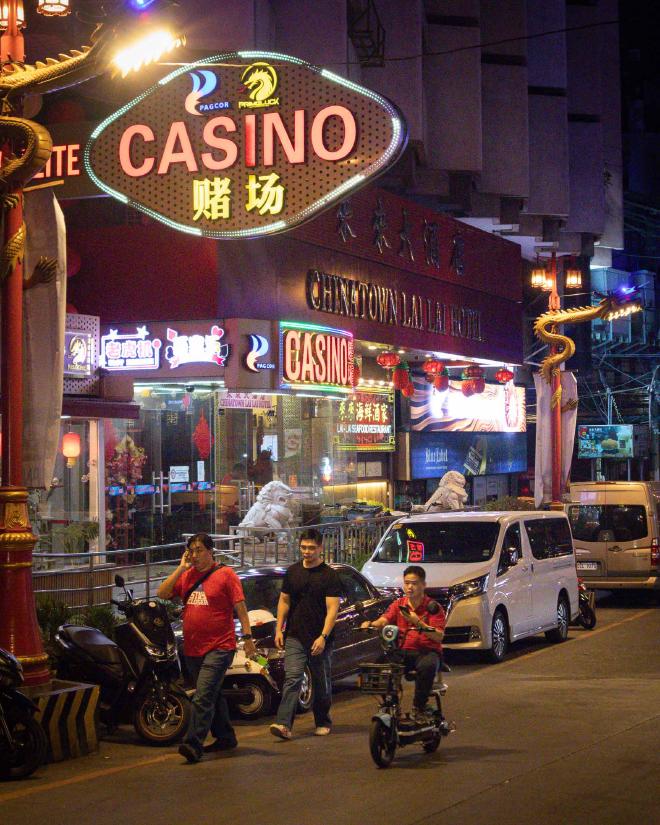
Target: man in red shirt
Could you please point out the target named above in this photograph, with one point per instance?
(211, 593)
(420, 634)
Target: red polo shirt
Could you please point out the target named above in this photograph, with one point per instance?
(410, 637)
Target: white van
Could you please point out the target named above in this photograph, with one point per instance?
(509, 575)
(616, 532)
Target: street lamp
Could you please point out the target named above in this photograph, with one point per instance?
(547, 328)
(26, 149)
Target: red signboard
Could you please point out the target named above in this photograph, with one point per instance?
(244, 144)
(315, 357)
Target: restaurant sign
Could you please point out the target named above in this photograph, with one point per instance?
(244, 144)
(365, 422)
(316, 358)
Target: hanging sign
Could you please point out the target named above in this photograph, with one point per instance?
(78, 353)
(244, 144)
(365, 422)
(314, 357)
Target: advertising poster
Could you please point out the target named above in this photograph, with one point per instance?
(434, 454)
(606, 441)
(498, 409)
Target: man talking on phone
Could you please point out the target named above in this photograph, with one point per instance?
(210, 593)
(420, 634)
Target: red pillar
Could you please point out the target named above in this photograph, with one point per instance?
(555, 402)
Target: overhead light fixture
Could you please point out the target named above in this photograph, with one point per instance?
(53, 8)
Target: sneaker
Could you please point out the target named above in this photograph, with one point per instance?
(281, 731)
(420, 715)
(322, 731)
(221, 745)
(191, 754)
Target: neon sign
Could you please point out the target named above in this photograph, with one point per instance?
(130, 351)
(259, 346)
(316, 358)
(286, 150)
(196, 349)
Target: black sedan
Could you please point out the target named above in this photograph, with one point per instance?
(254, 690)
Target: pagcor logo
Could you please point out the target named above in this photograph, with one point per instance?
(204, 83)
(261, 81)
(259, 347)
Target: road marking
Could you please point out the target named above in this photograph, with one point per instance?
(259, 732)
(588, 634)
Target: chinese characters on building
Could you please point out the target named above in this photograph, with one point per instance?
(212, 198)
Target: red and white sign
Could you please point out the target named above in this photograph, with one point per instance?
(315, 357)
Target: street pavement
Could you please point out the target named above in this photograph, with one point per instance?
(556, 735)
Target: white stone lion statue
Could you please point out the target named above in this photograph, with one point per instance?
(271, 509)
(450, 493)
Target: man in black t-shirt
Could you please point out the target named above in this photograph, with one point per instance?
(308, 603)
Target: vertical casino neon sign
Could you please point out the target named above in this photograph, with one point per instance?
(316, 358)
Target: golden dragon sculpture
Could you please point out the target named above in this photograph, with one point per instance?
(30, 142)
(545, 328)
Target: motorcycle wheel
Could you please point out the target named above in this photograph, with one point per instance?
(433, 744)
(259, 704)
(162, 719)
(587, 617)
(306, 696)
(31, 747)
(380, 744)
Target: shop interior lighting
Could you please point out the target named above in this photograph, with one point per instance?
(395, 145)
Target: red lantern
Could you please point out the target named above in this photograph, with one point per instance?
(388, 360)
(467, 388)
(202, 438)
(400, 378)
(408, 390)
(441, 382)
(479, 385)
(504, 376)
(71, 448)
(433, 367)
(473, 371)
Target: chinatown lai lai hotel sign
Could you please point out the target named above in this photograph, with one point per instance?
(244, 144)
(316, 358)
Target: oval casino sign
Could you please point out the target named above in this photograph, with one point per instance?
(244, 144)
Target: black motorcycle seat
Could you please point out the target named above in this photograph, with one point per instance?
(93, 642)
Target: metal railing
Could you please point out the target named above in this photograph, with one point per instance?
(82, 580)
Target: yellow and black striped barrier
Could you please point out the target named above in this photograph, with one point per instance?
(67, 712)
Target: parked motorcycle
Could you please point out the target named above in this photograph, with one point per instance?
(139, 676)
(586, 617)
(23, 743)
(391, 728)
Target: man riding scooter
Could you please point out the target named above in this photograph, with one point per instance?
(420, 633)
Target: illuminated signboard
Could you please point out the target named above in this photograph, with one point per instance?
(605, 440)
(140, 350)
(243, 144)
(365, 421)
(316, 358)
(257, 357)
(498, 409)
(78, 353)
(130, 351)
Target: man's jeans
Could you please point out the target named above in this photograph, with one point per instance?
(209, 706)
(297, 656)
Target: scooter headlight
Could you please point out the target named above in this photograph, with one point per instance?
(473, 587)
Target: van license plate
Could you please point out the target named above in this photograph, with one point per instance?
(587, 565)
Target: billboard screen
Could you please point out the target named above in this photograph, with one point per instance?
(498, 409)
(605, 441)
(433, 454)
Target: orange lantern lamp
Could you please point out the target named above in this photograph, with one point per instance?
(441, 382)
(433, 367)
(71, 448)
(409, 390)
(400, 378)
(504, 376)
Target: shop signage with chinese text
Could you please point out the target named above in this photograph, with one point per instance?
(244, 144)
(365, 422)
(316, 358)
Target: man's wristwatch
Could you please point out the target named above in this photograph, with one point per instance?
(324, 636)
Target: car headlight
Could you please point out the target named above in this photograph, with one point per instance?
(473, 587)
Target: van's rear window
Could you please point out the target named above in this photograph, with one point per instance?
(448, 542)
(608, 522)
